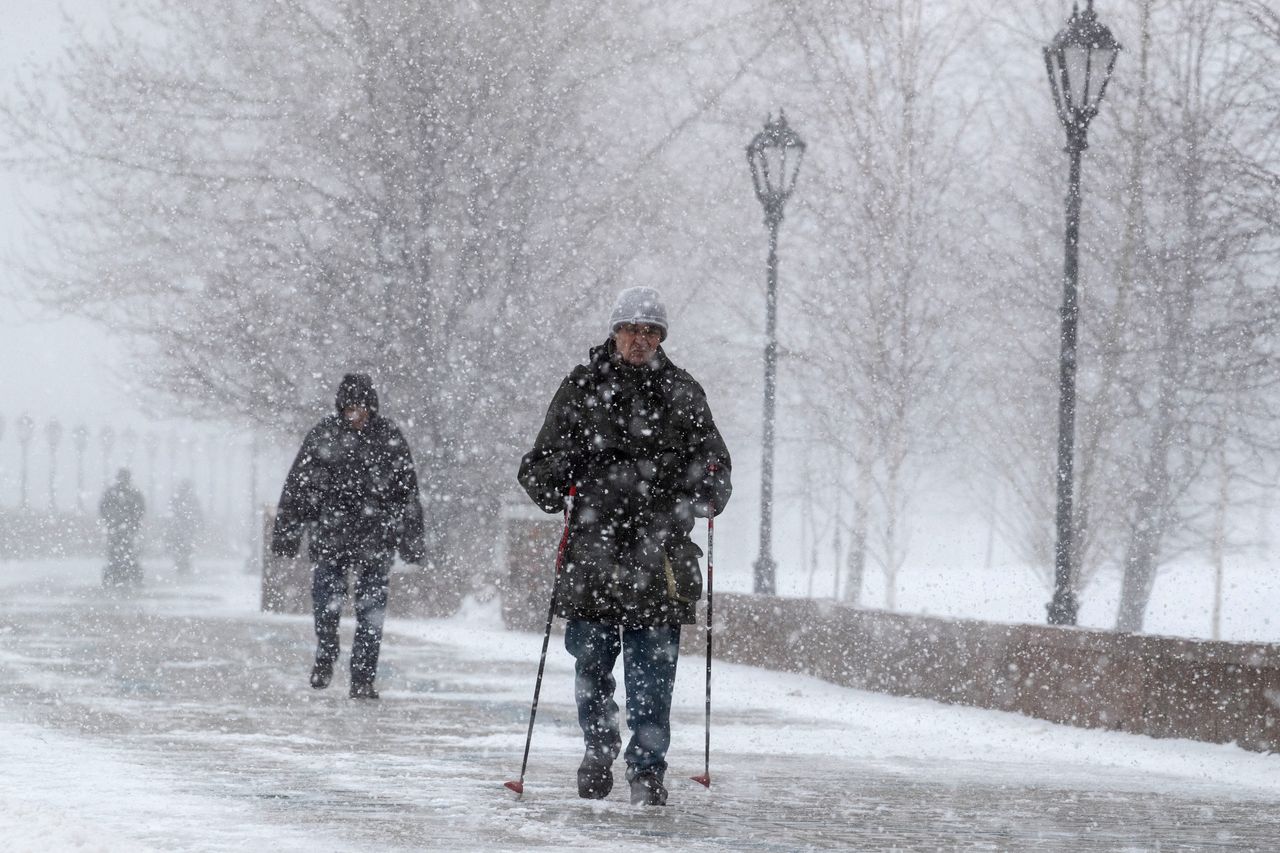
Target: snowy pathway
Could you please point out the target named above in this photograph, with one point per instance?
(180, 719)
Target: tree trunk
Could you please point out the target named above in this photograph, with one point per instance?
(1220, 540)
(856, 561)
(890, 542)
(1141, 558)
(1102, 420)
(808, 529)
(1265, 506)
(1185, 253)
(1151, 505)
(993, 513)
(892, 488)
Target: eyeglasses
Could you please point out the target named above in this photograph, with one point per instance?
(642, 330)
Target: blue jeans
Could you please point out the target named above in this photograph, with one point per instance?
(649, 658)
(329, 590)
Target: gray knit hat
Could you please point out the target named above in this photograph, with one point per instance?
(639, 305)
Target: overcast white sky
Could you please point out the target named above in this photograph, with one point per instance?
(60, 367)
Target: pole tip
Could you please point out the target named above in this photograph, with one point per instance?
(704, 780)
(518, 787)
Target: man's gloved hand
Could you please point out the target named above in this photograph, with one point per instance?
(565, 465)
(711, 490)
(684, 510)
(702, 508)
(548, 480)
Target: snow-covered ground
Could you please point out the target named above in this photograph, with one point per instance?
(180, 719)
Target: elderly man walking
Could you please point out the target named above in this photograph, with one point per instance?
(633, 434)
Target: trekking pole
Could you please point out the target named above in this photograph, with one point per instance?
(705, 778)
(518, 785)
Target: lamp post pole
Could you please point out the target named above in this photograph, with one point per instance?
(1064, 606)
(774, 156)
(1079, 61)
(765, 567)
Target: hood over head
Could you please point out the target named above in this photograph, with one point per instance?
(356, 389)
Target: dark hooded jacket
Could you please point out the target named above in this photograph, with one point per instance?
(356, 489)
(644, 454)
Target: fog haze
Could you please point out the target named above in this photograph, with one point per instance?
(60, 366)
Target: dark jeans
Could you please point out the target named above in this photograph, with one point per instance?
(329, 589)
(123, 568)
(649, 657)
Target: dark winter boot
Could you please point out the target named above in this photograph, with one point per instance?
(595, 776)
(647, 790)
(321, 674)
(363, 690)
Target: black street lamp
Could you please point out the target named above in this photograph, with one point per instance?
(774, 156)
(1079, 61)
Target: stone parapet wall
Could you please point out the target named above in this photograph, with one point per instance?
(1159, 686)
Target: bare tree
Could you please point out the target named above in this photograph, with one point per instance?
(1206, 374)
(878, 357)
(267, 197)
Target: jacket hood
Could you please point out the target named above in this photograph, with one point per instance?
(356, 389)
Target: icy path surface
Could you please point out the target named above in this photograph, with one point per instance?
(180, 719)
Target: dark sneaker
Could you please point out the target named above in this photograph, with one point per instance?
(363, 690)
(321, 674)
(595, 778)
(647, 790)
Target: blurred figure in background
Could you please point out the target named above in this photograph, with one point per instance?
(121, 510)
(184, 525)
